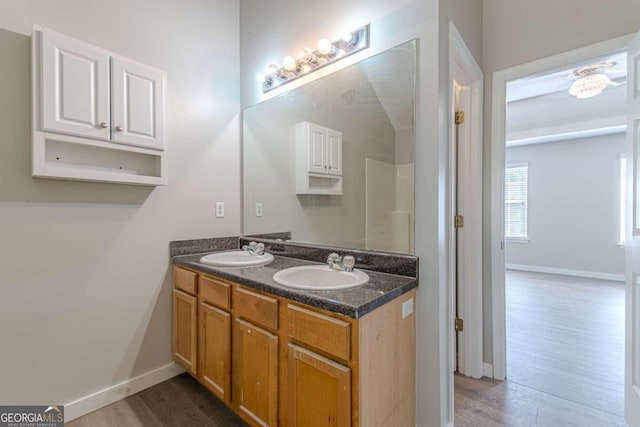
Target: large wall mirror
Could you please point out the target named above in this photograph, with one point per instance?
(332, 162)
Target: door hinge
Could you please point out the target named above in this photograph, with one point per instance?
(459, 324)
(458, 221)
(459, 117)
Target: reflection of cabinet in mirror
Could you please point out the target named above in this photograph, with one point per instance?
(318, 159)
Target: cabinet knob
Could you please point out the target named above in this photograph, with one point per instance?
(119, 128)
(103, 125)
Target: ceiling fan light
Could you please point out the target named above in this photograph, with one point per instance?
(589, 86)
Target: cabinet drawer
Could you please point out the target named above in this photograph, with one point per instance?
(185, 280)
(324, 333)
(257, 308)
(215, 292)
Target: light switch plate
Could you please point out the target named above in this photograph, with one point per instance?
(219, 209)
(259, 209)
(407, 308)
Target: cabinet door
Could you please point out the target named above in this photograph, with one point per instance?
(334, 152)
(319, 390)
(185, 309)
(74, 92)
(137, 104)
(317, 140)
(256, 374)
(214, 347)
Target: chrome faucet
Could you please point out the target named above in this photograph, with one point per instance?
(337, 262)
(254, 248)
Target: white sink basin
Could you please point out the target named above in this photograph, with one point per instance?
(320, 278)
(236, 259)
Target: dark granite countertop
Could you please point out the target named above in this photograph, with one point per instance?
(353, 302)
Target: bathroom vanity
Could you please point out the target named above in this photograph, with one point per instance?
(287, 357)
(328, 165)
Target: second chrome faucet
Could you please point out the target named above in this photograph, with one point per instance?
(337, 262)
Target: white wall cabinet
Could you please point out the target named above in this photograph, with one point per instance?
(97, 116)
(318, 159)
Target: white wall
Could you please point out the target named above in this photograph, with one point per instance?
(516, 32)
(85, 290)
(268, 34)
(574, 199)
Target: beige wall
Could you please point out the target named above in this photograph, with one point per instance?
(516, 32)
(85, 291)
(268, 34)
(573, 187)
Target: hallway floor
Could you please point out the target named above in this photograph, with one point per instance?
(565, 357)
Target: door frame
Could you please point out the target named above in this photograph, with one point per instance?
(498, 146)
(465, 71)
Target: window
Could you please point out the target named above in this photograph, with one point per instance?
(515, 201)
(623, 199)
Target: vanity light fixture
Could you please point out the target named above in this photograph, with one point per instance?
(326, 53)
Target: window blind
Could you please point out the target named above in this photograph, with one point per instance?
(515, 197)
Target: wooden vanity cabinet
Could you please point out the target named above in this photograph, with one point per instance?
(319, 390)
(255, 357)
(256, 374)
(185, 330)
(214, 339)
(276, 362)
(214, 351)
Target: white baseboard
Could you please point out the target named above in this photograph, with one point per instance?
(107, 396)
(566, 272)
(488, 370)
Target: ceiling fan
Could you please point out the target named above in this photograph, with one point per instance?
(592, 79)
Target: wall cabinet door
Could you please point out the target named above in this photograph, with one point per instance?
(317, 140)
(185, 323)
(334, 152)
(256, 374)
(75, 87)
(214, 348)
(137, 104)
(319, 390)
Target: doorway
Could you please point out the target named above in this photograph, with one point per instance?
(558, 312)
(464, 212)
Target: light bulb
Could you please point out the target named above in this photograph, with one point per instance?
(289, 63)
(308, 56)
(305, 68)
(324, 46)
(273, 69)
(347, 36)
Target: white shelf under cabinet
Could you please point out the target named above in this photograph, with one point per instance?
(97, 116)
(77, 159)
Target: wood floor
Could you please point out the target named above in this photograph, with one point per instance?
(179, 402)
(565, 357)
